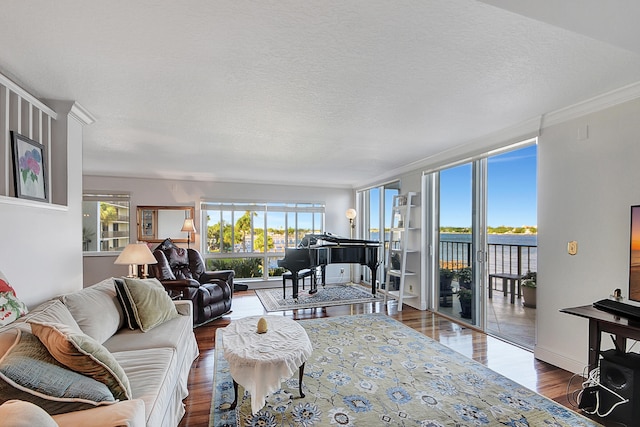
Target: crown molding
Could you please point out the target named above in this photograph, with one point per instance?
(81, 114)
(592, 105)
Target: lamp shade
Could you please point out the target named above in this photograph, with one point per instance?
(136, 253)
(351, 213)
(188, 226)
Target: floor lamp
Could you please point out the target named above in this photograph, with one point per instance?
(188, 227)
(351, 215)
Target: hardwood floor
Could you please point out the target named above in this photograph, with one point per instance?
(506, 359)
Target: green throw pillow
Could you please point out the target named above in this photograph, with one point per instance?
(149, 302)
(84, 355)
(28, 372)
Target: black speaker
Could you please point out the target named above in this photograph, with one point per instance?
(620, 372)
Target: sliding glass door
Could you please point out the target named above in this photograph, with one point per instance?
(512, 244)
(483, 240)
(458, 243)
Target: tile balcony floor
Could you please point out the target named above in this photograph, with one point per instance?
(512, 322)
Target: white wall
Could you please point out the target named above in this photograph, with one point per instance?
(40, 254)
(159, 192)
(586, 188)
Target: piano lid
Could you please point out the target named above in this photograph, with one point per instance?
(314, 240)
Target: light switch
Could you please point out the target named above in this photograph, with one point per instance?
(572, 247)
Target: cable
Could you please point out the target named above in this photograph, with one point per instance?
(594, 381)
(573, 397)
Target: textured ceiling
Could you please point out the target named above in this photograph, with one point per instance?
(307, 92)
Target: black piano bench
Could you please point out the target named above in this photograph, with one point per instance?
(302, 274)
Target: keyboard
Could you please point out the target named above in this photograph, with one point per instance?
(619, 308)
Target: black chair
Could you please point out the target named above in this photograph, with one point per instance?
(183, 274)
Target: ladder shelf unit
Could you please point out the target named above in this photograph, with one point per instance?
(401, 236)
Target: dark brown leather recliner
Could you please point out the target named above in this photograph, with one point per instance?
(182, 272)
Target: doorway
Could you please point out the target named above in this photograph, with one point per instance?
(485, 241)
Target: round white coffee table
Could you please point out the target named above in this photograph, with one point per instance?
(260, 362)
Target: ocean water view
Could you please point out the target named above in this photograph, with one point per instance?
(507, 253)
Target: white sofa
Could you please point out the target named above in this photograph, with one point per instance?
(156, 362)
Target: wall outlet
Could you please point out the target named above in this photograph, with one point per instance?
(342, 271)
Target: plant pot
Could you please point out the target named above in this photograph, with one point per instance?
(446, 293)
(465, 306)
(529, 296)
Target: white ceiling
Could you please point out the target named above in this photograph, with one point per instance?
(309, 92)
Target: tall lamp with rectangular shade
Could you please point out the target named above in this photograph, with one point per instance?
(135, 254)
(189, 227)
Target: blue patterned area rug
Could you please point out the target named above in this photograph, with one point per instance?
(371, 370)
(274, 300)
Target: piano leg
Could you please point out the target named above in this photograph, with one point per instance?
(374, 270)
(294, 283)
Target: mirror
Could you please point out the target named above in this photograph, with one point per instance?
(156, 223)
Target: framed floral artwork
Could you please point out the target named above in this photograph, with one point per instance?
(30, 173)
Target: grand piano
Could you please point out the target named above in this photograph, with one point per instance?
(318, 250)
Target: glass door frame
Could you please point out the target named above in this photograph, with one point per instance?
(363, 201)
(431, 219)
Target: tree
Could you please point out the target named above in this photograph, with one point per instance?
(243, 228)
(108, 213)
(213, 236)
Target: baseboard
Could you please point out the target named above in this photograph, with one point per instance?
(549, 356)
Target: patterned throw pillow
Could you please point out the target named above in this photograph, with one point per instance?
(10, 306)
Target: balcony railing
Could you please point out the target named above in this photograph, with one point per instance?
(114, 234)
(501, 258)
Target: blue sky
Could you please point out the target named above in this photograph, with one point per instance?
(512, 194)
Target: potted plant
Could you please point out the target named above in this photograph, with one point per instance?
(465, 295)
(529, 284)
(446, 276)
(465, 277)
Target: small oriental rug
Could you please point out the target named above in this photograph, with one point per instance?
(273, 300)
(371, 370)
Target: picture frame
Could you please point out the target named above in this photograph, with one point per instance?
(29, 168)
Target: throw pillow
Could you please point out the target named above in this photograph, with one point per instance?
(28, 372)
(17, 413)
(84, 304)
(148, 302)
(126, 304)
(11, 307)
(85, 355)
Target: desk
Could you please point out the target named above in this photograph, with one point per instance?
(602, 321)
(260, 362)
(512, 279)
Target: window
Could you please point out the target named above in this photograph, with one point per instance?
(105, 222)
(250, 237)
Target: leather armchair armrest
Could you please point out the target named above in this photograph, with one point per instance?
(181, 288)
(178, 285)
(225, 275)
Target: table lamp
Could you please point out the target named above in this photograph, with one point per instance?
(135, 254)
